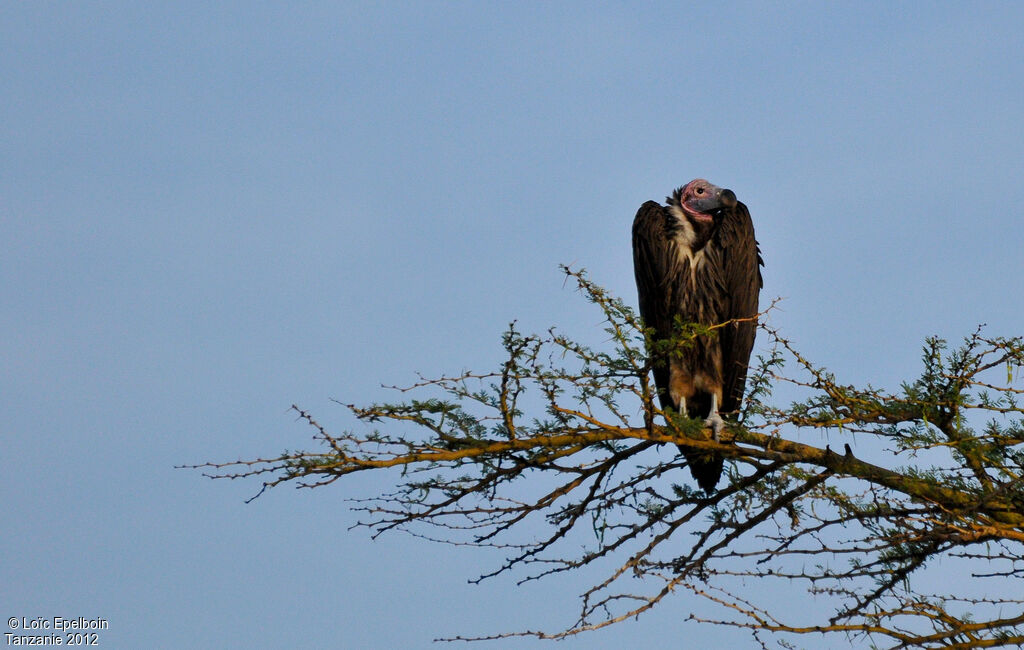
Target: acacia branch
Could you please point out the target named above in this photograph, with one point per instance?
(473, 469)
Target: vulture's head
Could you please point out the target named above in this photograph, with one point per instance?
(703, 202)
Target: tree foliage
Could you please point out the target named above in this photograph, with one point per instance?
(568, 438)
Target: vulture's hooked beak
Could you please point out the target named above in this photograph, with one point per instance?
(728, 198)
(719, 198)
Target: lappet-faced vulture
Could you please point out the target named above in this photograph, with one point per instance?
(696, 261)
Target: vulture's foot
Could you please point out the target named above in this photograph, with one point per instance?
(716, 423)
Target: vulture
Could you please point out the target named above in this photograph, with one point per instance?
(696, 261)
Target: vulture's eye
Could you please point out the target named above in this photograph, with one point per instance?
(700, 190)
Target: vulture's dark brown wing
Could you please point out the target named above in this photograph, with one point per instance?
(656, 264)
(741, 274)
(653, 257)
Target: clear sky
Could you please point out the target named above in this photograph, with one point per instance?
(210, 213)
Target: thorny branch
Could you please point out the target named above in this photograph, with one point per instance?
(475, 469)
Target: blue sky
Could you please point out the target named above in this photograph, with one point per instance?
(210, 213)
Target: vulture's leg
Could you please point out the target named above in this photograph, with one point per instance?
(715, 420)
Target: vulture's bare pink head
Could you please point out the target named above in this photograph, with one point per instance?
(700, 200)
